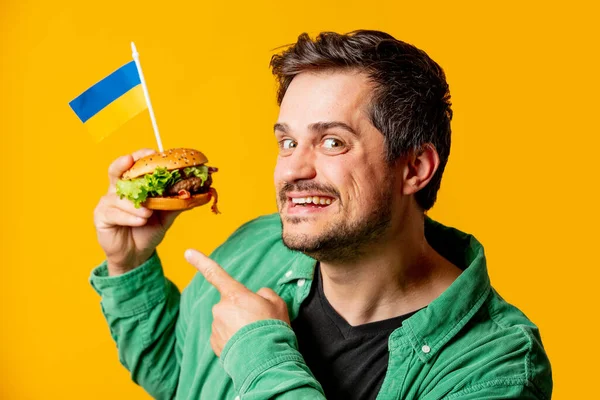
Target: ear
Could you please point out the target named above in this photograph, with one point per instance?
(419, 169)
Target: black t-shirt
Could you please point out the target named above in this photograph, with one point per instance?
(350, 362)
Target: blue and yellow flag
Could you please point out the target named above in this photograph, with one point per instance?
(110, 103)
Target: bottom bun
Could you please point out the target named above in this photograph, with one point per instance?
(175, 203)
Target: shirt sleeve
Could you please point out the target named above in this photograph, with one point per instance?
(263, 362)
(141, 308)
(519, 390)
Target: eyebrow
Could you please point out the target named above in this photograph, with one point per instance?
(318, 127)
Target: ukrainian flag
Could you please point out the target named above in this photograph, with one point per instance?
(111, 102)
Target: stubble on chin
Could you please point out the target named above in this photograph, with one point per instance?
(337, 242)
(341, 238)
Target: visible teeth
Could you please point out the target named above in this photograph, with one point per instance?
(311, 200)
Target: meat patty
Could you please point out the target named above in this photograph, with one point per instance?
(193, 185)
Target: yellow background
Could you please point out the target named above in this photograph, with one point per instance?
(522, 174)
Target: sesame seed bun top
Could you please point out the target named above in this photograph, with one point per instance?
(170, 159)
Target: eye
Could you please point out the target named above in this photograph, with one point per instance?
(287, 146)
(333, 144)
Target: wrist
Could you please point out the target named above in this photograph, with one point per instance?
(116, 268)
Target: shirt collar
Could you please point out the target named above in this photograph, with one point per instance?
(431, 328)
(302, 267)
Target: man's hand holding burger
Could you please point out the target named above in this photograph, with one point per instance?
(147, 191)
(128, 235)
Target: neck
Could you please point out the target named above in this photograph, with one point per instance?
(400, 274)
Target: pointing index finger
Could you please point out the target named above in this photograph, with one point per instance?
(215, 274)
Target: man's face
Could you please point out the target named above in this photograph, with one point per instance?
(334, 187)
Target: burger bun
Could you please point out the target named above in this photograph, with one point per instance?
(169, 159)
(175, 203)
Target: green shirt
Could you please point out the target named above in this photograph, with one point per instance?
(466, 344)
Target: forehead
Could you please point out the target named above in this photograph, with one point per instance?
(326, 96)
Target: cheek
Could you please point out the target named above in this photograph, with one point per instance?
(336, 174)
(362, 187)
(342, 177)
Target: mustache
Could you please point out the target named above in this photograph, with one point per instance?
(306, 186)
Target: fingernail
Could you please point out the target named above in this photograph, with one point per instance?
(189, 254)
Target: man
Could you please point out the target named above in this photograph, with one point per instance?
(350, 292)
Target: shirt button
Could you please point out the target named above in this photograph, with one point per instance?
(301, 282)
(288, 274)
(425, 349)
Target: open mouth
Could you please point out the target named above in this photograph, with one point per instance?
(311, 201)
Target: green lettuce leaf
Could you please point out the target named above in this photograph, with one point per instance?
(198, 172)
(154, 184)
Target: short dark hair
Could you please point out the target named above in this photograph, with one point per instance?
(411, 100)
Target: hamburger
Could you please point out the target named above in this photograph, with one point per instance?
(176, 179)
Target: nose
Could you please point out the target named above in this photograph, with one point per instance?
(299, 165)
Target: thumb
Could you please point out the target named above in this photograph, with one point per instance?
(269, 294)
(117, 168)
(276, 301)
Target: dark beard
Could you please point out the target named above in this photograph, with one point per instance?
(344, 241)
